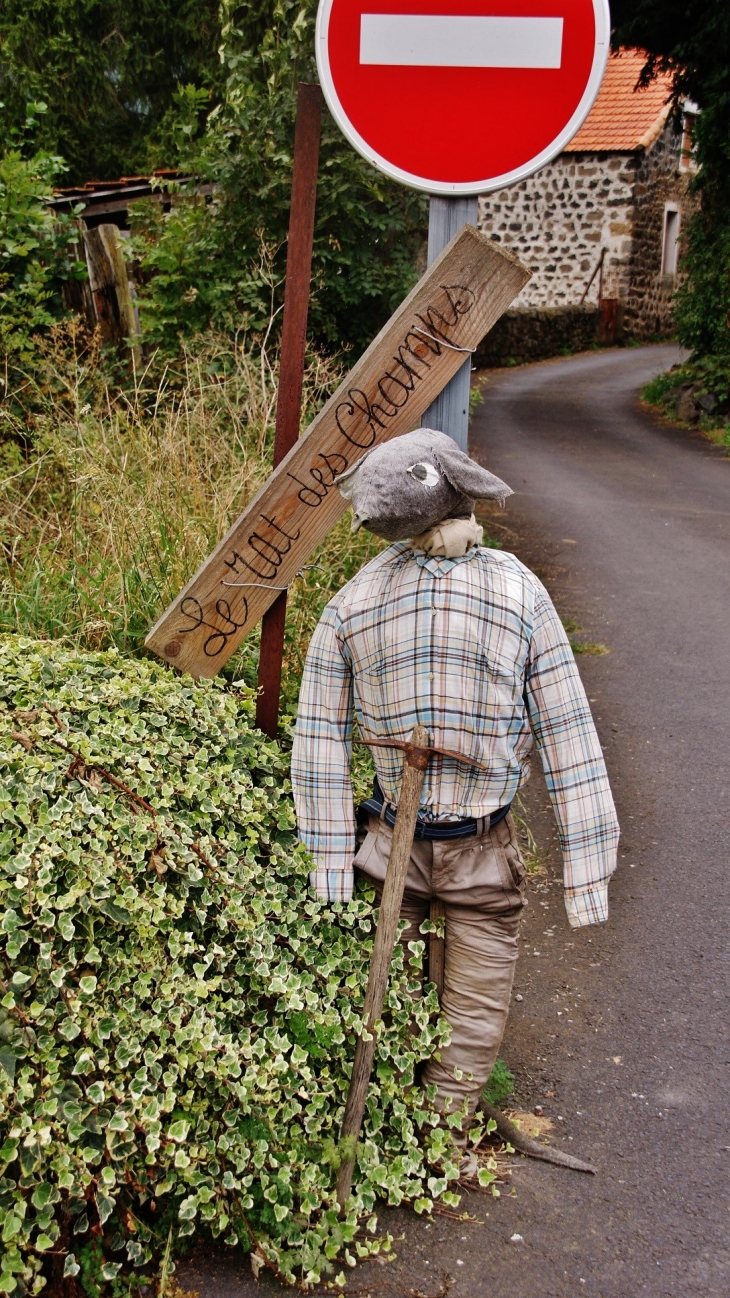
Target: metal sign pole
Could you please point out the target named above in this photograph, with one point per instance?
(450, 411)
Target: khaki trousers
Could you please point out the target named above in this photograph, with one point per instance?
(481, 882)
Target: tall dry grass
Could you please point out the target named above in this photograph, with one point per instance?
(111, 496)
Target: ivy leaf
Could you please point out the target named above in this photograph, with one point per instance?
(106, 1206)
(11, 1227)
(114, 912)
(9, 1150)
(8, 1060)
(69, 1030)
(44, 1194)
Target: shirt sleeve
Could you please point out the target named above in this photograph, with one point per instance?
(575, 771)
(321, 756)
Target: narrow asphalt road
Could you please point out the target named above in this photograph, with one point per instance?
(621, 1031)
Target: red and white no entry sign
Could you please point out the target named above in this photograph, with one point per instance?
(461, 102)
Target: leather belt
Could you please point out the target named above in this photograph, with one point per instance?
(430, 829)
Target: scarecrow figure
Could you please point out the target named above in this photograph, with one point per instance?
(463, 639)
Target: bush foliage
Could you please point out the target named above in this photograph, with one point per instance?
(178, 1014)
(107, 71)
(203, 259)
(152, 92)
(35, 255)
(697, 392)
(690, 39)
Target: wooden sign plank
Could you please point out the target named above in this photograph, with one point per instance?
(412, 359)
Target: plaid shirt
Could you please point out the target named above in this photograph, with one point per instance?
(472, 649)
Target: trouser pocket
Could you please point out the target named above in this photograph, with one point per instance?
(486, 872)
(373, 855)
(512, 853)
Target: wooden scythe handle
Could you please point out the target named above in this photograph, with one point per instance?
(414, 770)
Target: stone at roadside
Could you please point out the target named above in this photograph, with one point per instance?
(687, 409)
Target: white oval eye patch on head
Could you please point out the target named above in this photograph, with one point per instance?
(426, 474)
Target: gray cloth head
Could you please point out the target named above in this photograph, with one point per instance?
(413, 482)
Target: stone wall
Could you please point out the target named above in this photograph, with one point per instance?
(533, 333)
(648, 302)
(558, 221)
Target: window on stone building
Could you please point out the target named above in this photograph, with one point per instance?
(686, 159)
(671, 240)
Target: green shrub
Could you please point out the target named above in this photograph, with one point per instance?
(702, 304)
(107, 71)
(178, 1015)
(204, 260)
(697, 392)
(34, 254)
(663, 386)
(690, 41)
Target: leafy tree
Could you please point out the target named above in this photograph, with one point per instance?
(369, 230)
(107, 71)
(691, 40)
(35, 254)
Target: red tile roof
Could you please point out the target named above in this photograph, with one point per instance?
(624, 119)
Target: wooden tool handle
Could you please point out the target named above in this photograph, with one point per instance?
(437, 950)
(385, 936)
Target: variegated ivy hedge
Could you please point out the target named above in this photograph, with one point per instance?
(178, 1015)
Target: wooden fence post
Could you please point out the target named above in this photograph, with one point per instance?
(291, 366)
(109, 284)
(77, 292)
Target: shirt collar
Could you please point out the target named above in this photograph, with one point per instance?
(436, 564)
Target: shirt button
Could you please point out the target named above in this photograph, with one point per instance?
(430, 676)
(434, 611)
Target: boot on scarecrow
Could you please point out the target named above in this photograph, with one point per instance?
(441, 631)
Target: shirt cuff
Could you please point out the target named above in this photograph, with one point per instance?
(332, 885)
(588, 905)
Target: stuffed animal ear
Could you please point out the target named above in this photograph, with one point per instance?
(468, 477)
(346, 481)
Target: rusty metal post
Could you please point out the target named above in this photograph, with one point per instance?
(291, 366)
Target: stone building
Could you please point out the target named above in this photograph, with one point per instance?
(600, 226)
